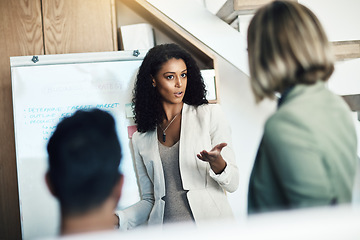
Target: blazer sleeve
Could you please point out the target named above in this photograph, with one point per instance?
(138, 213)
(220, 132)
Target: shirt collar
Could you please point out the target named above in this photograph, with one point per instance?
(284, 95)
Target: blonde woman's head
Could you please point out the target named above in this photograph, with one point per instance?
(287, 46)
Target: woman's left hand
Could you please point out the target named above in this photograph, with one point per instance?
(214, 158)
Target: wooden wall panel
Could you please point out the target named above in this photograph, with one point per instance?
(20, 34)
(73, 26)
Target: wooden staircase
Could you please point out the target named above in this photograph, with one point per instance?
(233, 10)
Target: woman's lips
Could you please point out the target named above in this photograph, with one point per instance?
(178, 94)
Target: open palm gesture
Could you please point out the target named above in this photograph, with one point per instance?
(214, 158)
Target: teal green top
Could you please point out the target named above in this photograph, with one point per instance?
(308, 153)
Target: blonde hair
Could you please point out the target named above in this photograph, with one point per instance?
(287, 46)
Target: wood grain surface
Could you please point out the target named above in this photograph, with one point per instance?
(20, 34)
(346, 49)
(73, 26)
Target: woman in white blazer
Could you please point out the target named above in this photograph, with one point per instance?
(183, 153)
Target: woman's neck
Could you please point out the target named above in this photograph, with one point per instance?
(171, 110)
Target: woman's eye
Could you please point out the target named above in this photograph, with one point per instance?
(183, 75)
(170, 77)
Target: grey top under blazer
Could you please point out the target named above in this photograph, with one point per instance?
(308, 153)
(202, 127)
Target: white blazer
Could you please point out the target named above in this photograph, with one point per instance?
(202, 128)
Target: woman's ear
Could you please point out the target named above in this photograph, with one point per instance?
(153, 82)
(49, 184)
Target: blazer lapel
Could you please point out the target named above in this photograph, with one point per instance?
(193, 171)
(152, 161)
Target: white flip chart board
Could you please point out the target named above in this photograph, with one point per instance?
(50, 89)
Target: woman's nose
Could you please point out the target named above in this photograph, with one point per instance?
(178, 82)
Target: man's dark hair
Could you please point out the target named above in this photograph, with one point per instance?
(84, 157)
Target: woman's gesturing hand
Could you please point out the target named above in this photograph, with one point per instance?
(214, 158)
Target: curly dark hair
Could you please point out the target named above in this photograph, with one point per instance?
(146, 99)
